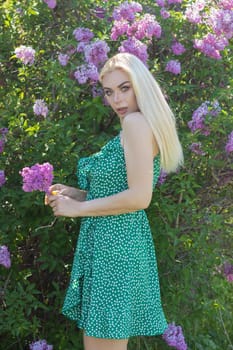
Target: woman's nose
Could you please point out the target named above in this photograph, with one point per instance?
(116, 97)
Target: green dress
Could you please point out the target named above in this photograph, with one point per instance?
(114, 288)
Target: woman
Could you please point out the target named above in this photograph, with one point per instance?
(114, 289)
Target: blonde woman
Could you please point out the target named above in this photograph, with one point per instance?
(114, 289)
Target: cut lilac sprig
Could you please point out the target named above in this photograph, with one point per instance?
(39, 177)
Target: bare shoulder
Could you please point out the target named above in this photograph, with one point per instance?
(136, 122)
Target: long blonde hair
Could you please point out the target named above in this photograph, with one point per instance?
(152, 105)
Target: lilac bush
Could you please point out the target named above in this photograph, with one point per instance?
(5, 259)
(38, 177)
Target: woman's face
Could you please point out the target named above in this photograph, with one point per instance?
(119, 93)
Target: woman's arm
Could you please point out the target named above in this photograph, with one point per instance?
(138, 148)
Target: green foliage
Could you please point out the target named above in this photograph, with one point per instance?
(190, 214)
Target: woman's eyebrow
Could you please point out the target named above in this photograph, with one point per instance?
(119, 86)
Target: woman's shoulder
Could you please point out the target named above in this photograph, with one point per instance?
(136, 122)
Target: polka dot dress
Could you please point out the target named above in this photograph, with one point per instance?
(114, 288)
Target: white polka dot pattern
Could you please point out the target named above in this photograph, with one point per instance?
(114, 288)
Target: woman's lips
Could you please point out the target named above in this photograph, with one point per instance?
(122, 111)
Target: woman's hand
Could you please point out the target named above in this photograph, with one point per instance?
(63, 205)
(68, 191)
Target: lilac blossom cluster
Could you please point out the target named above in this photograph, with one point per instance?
(126, 11)
(173, 66)
(39, 177)
(199, 117)
(51, 3)
(40, 108)
(174, 337)
(85, 72)
(162, 177)
(95, 53)
(196, 147)
(228, 271)
(26, 54)
(40, 345)
(219, 21)
(135, 47)
(164, 4)
(134, 28)
(5, 258)
(2, 178)
(229, 145)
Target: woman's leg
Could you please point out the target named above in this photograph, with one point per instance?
(92, 343)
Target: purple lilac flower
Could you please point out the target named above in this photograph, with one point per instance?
(119, 28)
(135, 47)
(221, 22)
(229, 145)
(5, 258)
(81, 46)
(173, 66)
(63, 59)
(85, 72)
(2, 178)
(96, 52)
(145, 28)
(96, 91)
(170, 2)
(195, 147)
(51, 3)
(40, 108)
(164, 13)
(4, 131)
(2, 144)
(126, 11)
(26, 54)
(40, 345)
(228, 271)
(83, 34)
(178, 48)
(39, 177)
(99, 12)
(193, 10)
(199, 116)
(162, 177)
(226, 4)
(210, 45)
(174, 337)
(160, 3)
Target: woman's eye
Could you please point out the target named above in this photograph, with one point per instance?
(124, 88)
(107, 92)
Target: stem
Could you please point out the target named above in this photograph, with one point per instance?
(225, 331)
